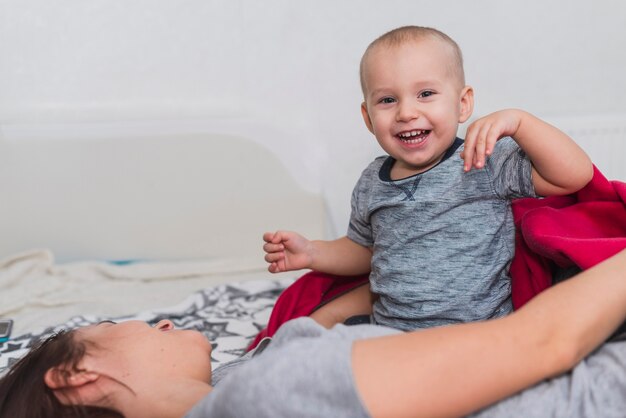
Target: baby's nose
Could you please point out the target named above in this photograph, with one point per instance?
(406, 112)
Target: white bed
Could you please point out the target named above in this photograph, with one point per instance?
(129, 220)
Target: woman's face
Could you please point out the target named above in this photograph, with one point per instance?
(133, 349)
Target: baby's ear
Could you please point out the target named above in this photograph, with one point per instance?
(366, 117)
(466, 103)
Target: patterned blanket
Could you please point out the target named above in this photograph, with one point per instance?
(229, 315)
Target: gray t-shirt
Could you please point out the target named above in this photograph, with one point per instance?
(596, 388)
(306, 372)
(442, 240)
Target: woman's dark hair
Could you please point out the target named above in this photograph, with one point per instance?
(23, 392)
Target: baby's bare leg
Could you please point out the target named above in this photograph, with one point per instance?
(357, 301)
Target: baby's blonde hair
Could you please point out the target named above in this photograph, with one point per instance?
(405, 34)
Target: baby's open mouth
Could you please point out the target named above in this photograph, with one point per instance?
(413, 137)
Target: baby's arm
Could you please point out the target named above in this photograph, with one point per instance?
(291, 251)
(560, 166)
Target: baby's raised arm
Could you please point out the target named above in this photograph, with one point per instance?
(560, 166)
(288, 251)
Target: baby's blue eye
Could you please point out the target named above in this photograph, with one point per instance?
(387, 100)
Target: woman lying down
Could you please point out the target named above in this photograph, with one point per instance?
(133, 370)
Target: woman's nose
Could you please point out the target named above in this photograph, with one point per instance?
(164, 325)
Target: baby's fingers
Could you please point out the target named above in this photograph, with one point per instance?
(274, 257)
(272, 248)
(274, 268)
(469, 153)
(494, 135)
(268, 236)
(277, 261)
(276, 237)
(479, 145)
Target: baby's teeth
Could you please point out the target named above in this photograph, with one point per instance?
(412, 133)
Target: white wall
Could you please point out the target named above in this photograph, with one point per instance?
(290, 67)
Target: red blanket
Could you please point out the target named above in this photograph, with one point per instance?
(303, 296)
(580, 230)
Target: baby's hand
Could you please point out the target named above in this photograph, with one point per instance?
(286, 251)
(482, 135)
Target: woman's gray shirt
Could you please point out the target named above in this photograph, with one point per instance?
(306, 372)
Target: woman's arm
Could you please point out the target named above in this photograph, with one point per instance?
(454, 370)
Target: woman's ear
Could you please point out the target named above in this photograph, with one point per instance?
(61, 378)
(366, 117)
(466, 103)
(71, 386)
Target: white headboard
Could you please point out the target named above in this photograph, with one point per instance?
(147, 196)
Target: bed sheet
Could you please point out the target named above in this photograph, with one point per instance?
(228, 305)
